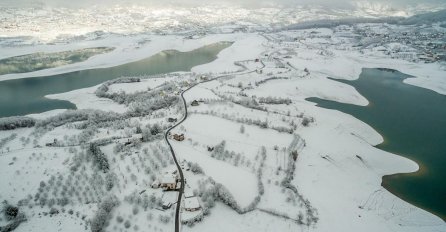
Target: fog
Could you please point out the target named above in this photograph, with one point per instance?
(243, 3)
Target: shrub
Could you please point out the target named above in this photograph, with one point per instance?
(127, 224)
(195, 168)
(11, 212)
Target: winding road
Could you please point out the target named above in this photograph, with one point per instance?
(166, 137)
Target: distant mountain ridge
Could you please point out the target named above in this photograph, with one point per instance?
(425, 18)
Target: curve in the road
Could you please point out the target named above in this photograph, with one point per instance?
(166, 134)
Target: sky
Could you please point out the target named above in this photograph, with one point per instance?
(245, 3)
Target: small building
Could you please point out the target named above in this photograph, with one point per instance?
(178, 137)
(188, 193)
(191, 204)
(171, 120)
(167, 205)
(136, 137)
(168, 199)
(168, 182)
(194, 103)
(54, 143)
(257, 60)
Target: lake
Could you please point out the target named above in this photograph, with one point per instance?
(26, 96)
(412, 121)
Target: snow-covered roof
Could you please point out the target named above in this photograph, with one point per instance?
(191, 203)
(168, 179)
(137, 136)
(188, 193)
(169, 197)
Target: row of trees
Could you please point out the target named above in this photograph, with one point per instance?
(11, 123)
(274, 100)
(99, 158)
(102, 216)
(92, 116)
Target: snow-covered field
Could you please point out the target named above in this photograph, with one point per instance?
(256, 154)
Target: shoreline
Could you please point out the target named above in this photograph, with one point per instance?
(125, 51)
(210, 66)
(350, 183)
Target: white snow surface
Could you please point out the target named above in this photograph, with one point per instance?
(346, 192)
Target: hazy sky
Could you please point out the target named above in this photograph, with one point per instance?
(248, 3)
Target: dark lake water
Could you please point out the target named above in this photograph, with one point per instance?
(26, 96)
(412, 121)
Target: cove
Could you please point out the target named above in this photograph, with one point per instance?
(26, 96)
(412, 121)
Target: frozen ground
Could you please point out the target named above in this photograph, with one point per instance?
(258, 156)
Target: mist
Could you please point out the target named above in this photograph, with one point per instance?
(241, 3)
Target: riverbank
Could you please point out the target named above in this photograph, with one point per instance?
(28, 94)
(127, 49)
(338, 170)
(398, 111)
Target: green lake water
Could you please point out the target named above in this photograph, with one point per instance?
(412, 121)
(26, 96)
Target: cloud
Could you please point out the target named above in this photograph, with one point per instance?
(244, 3)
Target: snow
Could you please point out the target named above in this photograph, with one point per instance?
(349, 64)
(127, 50)
(316, 86)
(243, 188)
(251, 44)
(225, 219)
(191, 203)
(170, 197)
(168, 179)
(86, 99)
(345, 190)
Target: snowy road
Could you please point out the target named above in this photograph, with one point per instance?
(180, 171)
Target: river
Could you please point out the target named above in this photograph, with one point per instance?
(26, 96)
(412, 121)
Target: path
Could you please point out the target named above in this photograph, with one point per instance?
(180, 171)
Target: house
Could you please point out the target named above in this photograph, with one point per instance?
(171, 120)
(178, 137)
(137, 137)
(191, 204)
(54, 143)
(194, 103)
(168, 182)
(168, 199)
(188, 193)
(166, 205)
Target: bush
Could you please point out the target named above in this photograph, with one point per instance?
(195, 168)
(306, 121)
(127, 224)
(11, 212)
(164, 219)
